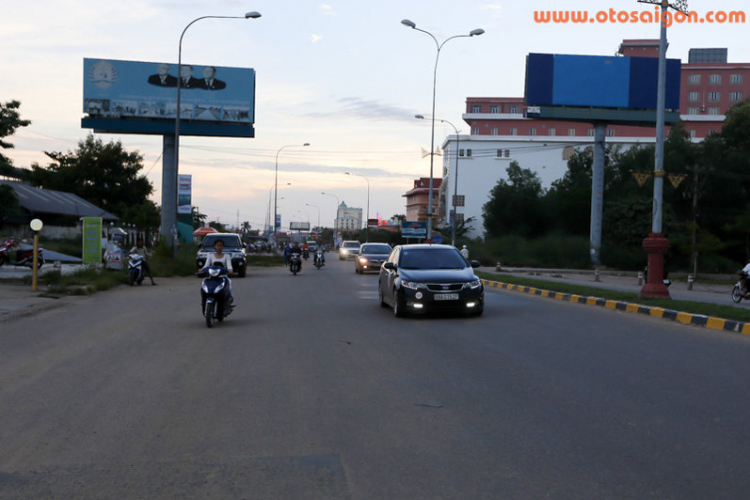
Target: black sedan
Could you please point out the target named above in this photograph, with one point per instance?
(371, 256)
(424, 278)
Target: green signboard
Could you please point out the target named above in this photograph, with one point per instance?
(92, 240)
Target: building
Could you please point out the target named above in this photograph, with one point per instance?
(418, 200)
(501, 133)
(348, 218)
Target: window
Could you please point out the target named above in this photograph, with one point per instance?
(459, 218)
(712, 131)
(476, 108)
(494, 109)
(458, 200)
(714, 96)
(735, 96)
(714, 110)
(513, 131)
(514, 109)
(503, 153)
(571, 132)
(532, 131)
(714, 79)
(552, 131)
(590, 132)
(735, 79)
(468, 153)
(694, 110)
(694, 96)
(694, 79)
(474, 130)
(494, 130)
(610, 132)
(692, 134)
(460, 152)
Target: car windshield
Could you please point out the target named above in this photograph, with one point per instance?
(375, 249)
(230, 243)
(351, 245)
(431, 258)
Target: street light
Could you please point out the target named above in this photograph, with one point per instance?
(367, 223)
(439, 46)
(336, 219)
(168, 225)
(316, 208)
(268, 212)
(455, 183)
(656, 244)
(276, 185)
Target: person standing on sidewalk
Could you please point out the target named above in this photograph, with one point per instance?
(465, 252)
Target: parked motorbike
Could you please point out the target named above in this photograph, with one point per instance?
(295, 263)
(24, 254)
(737, 294)
(215, 301)
(135, 269)
(318, 262)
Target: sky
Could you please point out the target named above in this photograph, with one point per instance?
(344, 76)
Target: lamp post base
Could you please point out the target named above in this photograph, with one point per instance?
(656, 246)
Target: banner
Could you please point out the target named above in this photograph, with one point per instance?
(184, 193)
(92, 240)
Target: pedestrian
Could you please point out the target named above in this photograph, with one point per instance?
(465, 252)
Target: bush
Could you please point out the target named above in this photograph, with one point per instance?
(548, 251)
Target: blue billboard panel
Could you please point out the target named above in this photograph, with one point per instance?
(130, 89)
(599, 81)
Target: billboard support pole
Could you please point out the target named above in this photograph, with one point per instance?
(168, 187)
(597, 192)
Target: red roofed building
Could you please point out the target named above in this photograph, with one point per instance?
(417, 200)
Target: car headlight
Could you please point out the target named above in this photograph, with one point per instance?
(344, 250)
(363, 260)
(412, 285)
(474, 284)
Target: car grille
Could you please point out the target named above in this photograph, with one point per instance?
(444, 287)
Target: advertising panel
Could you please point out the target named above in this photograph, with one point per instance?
(299, 226)
(413, 229)
(92, 240)
(184, 193)
(131, 89)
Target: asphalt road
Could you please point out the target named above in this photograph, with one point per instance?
(311, 390)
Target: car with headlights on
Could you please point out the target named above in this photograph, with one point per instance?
(349, 249)
(430, 278)
(371, 256)
(233, 246)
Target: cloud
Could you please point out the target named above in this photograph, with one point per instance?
(315, 38)
(356, 107)
(328, 10)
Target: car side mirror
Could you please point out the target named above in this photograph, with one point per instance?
(476, 263)
(390, 266)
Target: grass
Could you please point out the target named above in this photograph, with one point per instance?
(703, 308)
(82, 282)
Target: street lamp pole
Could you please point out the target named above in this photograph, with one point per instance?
(367, 223)
(336, 219)
(656, 244)
(439, 46)
(169, 217)
(455, 182)
(316, 208)
(276, 186)
(268, 212)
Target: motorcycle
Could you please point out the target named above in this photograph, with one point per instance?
(305, 254)
(135, 269)
(318, 262)
(295, 263)
(215, 301)
(737, 293)
(24, 254)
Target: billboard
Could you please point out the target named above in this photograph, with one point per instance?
(599, 81)
(414, 229)
(148, 91)
(184, 194)
(299, 226)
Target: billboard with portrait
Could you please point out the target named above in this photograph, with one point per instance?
(114, 89)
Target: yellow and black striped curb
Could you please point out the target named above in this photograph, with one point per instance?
(681, 317)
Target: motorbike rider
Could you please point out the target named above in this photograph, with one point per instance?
(143, 252)
(322, 254)
(222, 259)
(296, 249)
(746, 279)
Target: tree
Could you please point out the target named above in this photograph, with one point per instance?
(516, 205)
(199, 219)
(10, 120)
(103, 174)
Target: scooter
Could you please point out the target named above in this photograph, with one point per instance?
(318, 262)
(215, 302)
(305, 254)
(135, 269)
(24, 254)
(295, 263)
(737, 294)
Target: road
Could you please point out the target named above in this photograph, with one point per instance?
(310, 390)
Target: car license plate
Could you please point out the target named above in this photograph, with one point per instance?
(445, 296)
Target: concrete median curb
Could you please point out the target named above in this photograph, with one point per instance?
(681, 317)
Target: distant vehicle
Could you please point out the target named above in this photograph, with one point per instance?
(424, 278)
(349, 248)
(312, 245)
(371, 256)
(232, 245)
